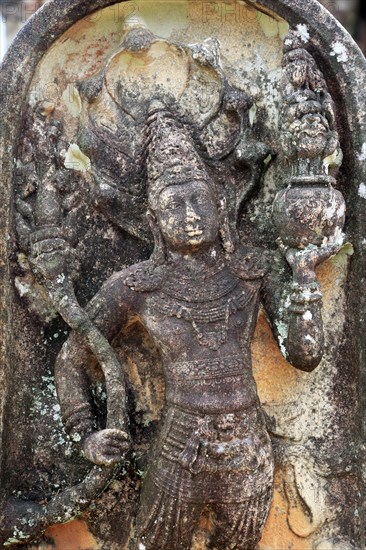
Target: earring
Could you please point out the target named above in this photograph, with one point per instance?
(158, 256)
(224, 227)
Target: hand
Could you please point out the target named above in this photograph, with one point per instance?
(49, 258)
(106, 447)
(52, 258)
(303, 262)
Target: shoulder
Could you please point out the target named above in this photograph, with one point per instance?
(250, 263)
(116, 291)
(144, 277)
(124, 288)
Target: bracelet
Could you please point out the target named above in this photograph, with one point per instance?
(46, 233)
(79, 423)
(303, 295)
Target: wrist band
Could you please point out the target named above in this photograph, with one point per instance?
(303, 295)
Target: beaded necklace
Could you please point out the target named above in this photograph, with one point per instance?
(211, 301)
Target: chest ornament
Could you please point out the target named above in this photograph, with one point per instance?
(203, 313)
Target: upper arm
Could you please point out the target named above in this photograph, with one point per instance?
(114, 305)
(275, 295)
(110, 310)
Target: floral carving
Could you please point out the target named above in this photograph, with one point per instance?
(308, 126)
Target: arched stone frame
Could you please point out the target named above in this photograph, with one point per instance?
(346, 79)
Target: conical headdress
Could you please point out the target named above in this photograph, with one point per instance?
(172, 158)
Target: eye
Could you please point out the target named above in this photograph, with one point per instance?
(173, 205)
(200, 199)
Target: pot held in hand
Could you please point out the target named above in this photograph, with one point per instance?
(307, 213)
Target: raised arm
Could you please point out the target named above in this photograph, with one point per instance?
(112, 308)
(293, 302)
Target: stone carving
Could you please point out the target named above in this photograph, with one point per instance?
(182, 152)
(310, 210)
(308, 126)
(308, 213)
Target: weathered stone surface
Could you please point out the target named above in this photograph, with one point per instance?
(54, 100)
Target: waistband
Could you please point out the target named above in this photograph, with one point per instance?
(232, 365)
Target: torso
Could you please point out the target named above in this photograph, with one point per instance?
(213, 445)
(203, 332)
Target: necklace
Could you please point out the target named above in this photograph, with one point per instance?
(201, 287)
(212, 340)
(205, 312)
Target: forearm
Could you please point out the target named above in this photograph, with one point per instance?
(73, 388)
(305, 341)
(293, 304)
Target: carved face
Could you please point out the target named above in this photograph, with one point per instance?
(297, 72)
(187, 216)
(312, 132)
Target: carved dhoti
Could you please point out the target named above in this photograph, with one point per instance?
(223, 461)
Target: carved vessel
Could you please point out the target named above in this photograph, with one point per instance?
(309, 212)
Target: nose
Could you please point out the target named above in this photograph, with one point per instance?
(191, 215)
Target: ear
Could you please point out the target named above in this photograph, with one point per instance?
(158, 256)
(152, 220)
(224, 230)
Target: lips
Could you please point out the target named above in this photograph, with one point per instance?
(194, 231)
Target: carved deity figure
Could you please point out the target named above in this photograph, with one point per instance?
(198, 297)
(182, 149)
